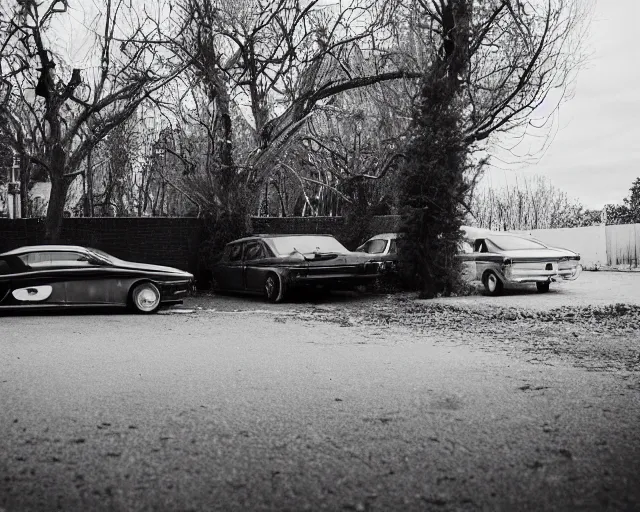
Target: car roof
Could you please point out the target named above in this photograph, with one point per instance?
(473, 233)
(280, 235)
(385, 236)
(40, 248)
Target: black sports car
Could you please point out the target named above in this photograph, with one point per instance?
(272, 265)
(48, 276)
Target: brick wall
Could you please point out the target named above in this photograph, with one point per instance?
(174, 242)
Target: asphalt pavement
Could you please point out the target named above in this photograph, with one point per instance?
(233, 407)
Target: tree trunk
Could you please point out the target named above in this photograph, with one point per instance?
(55, 211)
(88, 199)
(25, 178)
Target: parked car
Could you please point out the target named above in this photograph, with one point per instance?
(273, 265)
(498, 258)
(494, 258)
(51, 276)
(383, 248)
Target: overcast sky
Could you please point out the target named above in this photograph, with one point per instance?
(595, 155)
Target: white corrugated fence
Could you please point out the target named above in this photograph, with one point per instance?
(598, 246)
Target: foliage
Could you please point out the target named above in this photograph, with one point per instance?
(432, 188)
(629, 211)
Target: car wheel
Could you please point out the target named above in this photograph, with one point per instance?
(272, 287)
(543, 287)
(145, 298)
(215, 285)
(492, 283)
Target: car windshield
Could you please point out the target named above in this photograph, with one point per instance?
(307, 244)
(515, 243)
(375, 246)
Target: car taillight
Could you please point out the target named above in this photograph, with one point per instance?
(506, 267)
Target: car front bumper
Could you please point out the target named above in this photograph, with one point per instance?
(335, 281)
(174, 292)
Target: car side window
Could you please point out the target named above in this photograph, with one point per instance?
(47, 259)
(480, 246)
(393, 246)
(235, 252)
(254, 251)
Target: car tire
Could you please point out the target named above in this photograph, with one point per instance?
(145, 298)
(543, 287)
(272, 287)
(492, 284)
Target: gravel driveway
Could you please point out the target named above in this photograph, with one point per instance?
(351, 402)
(590, 289)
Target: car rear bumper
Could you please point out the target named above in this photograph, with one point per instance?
(517, 275)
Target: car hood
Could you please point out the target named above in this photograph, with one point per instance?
(150, 268)
(548, 253)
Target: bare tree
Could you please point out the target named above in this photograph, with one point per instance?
(280, 63)
(518, 56)
(345, 157)
(531, 203)
(72, 109)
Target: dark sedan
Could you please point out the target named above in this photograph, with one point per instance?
(50, 276)
(272, 265)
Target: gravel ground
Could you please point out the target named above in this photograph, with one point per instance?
(347, 402)
(593, 322)
(605, 338)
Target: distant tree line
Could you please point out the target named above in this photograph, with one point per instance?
(629, 211)
(530, 203)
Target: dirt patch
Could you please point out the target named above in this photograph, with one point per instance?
(599, 338)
